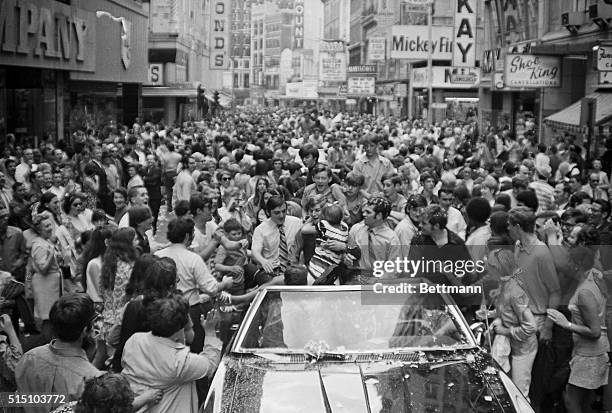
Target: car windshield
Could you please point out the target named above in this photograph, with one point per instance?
(290, 321)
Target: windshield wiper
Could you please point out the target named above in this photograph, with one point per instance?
(318, 350)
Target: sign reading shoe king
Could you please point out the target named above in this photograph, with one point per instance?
(47, 34)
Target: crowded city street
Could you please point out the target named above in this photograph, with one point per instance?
(305, 206)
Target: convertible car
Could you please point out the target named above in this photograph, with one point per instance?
(342, 349)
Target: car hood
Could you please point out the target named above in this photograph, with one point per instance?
(389, 386)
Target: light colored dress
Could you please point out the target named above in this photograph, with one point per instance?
(114, 300)
(46, 285)
(589, 364)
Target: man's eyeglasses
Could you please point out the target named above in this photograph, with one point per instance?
(226, 178)
(77, 204)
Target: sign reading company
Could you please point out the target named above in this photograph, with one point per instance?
(447, 77)
(220, 38)
(362, 85)
(332, 57)
(532, 71)
(464, 52)
(604, 58)
(47, 34)
(412, 42)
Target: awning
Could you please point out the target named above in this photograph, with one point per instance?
(563, 49)
(164, 91)
(569, 118)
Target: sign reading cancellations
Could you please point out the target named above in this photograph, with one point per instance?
(219, 34)
(604, 58)
(532, 71)
(412, 42)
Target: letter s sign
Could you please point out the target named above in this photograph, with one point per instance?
(156, 74)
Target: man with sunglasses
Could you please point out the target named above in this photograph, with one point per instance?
(593, 189)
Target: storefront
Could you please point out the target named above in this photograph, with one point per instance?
(455, 91)
(72, 68)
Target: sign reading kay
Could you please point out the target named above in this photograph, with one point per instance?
(532, 71)
(412, 42)
(464, 52)
(604, 58)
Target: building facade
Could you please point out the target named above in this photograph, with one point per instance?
(564, 38)
(89, 75)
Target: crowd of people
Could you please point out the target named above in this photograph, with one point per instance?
(116, 246)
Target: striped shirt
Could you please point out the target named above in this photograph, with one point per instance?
(323, 258)
(545, 194)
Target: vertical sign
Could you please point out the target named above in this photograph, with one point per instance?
(220, 34)
(464, 52)
(332, 57)
(298, 34)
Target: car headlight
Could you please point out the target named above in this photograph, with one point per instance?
(519, 401)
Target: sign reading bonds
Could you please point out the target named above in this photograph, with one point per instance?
(532, 71)
(412, 42)
(220, 38)
(47, 34)
(604, 58)
(464, 52)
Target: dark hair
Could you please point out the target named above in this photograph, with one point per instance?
(528, 198)
(447, 189)
(139, 273)
(462, 194)
(435, 215)
(296, 275)
(98, 215)
(309, 149)
(70, 314)
(333, 214)
(199, 201)
(69, 200)
(354, 179)
(95, 247)
(274, 202)
(605, 206)
(160, 280)
(178, 229)
(478, 210)
(232, 224)
(120, 248)
(122, 192)
(582, 256)
(505, 200)
(168, 315)
(523, 217)
(499, 223)
(138, 214)
(109, 393)
(379, 205)
(393, 177)
(292, 167)
(318, 168)
(577, 198)
(45, 199)
(182, 207)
